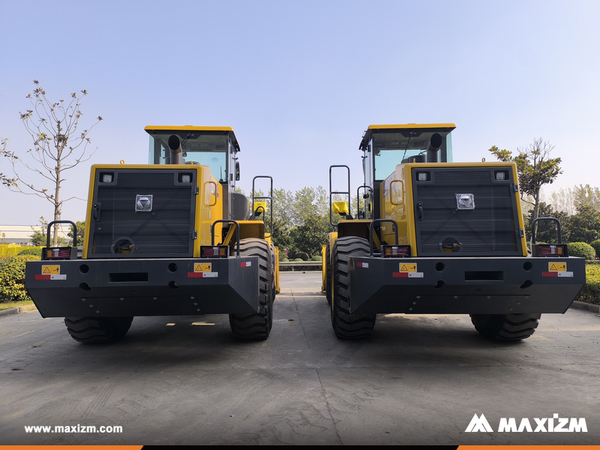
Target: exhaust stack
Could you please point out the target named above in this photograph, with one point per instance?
(432, 150)
(175, 147)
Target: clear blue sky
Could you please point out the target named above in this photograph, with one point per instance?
(300, 81)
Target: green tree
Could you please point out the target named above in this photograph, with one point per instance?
(535, 169)
(310, 220)
(578, 210)
(80, 225)
(282, 204)
(563, 200)
(38, 238)
(300, 220)
(309, 202)
(282, 218)
(583, 226)
(311, 236)
(547, 230)
(58, 146)
(586, 196)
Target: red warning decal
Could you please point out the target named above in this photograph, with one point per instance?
(51, 277)
(557, 274)
(409, 275)
(203, 274)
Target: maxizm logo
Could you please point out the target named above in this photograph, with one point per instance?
(554, 424)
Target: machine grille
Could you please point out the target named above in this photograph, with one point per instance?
(466, 212)
(143, 213)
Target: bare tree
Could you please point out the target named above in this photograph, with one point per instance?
(57, 147)
(535, 168)
(5, 153)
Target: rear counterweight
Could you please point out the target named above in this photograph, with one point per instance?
(143, 287)
(464, 285)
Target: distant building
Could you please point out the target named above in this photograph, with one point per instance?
(21, 234)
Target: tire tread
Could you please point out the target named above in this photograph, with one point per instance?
(506, 327)
(98, 330)
(345, 324)
(257, 326)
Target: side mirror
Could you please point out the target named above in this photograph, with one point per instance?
(237, 171)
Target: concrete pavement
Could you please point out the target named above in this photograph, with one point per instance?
(186, 380)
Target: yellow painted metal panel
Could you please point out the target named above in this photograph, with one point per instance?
(145, 167)
(412, 126)
(88, 213)
(209, 209)
(252, 229)
(185, 128)
(277, 286)
(323, 267)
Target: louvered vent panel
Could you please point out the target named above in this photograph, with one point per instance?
(490, 229)
(166, 230)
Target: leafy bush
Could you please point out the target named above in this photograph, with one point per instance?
(36, 251)
(9, 250)
(317, 258)
(12, 278)
(591, 291)
(301, 255)
(596, 246)
(582, 250)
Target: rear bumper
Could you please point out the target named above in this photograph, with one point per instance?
(143, 287)
(465, 285)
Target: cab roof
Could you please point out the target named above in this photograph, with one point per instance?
(153, 128)
(406, 126)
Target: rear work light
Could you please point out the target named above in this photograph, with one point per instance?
(501, 175)
(185, 178)
(221, 251)
(395, 251)
(59, 253)
(552, 250)
(107, 177)
(423, 176)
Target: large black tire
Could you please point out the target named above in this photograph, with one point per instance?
(327, 263)
(346, 325)
(97, 330)
(506, 327)
(257, 326)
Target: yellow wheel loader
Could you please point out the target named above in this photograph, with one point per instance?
(434, 236)
(171, 237)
